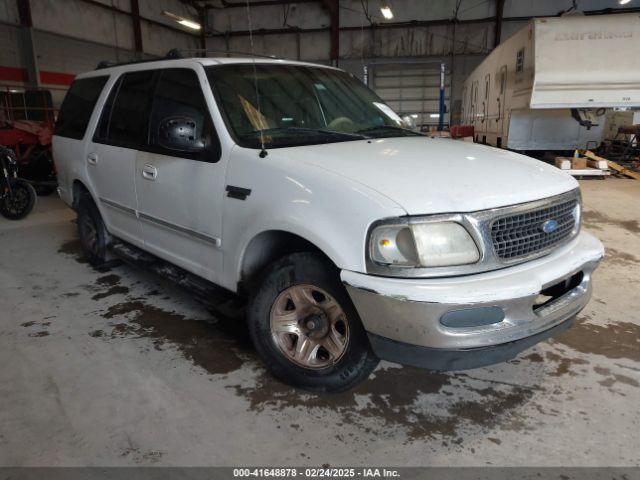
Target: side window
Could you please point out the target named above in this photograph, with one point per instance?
(520, 60)
(77, 107)
(125, 117)
(179, 100)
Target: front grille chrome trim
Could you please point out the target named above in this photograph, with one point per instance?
(520, 235)
(479, 224)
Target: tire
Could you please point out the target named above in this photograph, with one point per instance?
(20, 203)
(290, 331)
(92, 232)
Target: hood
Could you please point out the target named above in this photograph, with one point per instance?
(437, 175)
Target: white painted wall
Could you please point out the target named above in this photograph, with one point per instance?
(72, 36)
(78, 19)
(8, 11)
(9, 46)
(74, 28)
(158, 41)
(69, 55)
(471, 38)
(269, 17)
(153, 9)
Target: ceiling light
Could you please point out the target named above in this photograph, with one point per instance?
(185, 22)
(623, 2)
(385, 9)
(190, 24)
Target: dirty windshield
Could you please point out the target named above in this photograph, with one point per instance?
(288, 105)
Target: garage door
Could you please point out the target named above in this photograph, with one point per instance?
(412, 90)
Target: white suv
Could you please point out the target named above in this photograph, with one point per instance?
(350, 237)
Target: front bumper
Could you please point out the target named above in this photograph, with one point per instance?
(474, 320)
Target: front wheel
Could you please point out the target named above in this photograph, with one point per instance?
(305, 327)
(20, 202)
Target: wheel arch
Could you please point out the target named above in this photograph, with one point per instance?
(78, 189)
(268, 246)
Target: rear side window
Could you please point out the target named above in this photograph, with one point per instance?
(77, 107)
(125, 117)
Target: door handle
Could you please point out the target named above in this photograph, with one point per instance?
(92, 158)
(149, 172)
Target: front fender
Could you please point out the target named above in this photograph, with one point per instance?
(330, 211)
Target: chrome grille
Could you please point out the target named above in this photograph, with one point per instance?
(522, 235)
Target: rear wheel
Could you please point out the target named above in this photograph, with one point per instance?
(20, 202)
(93, 234)
(306, 328)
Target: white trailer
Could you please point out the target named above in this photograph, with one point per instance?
(549, 86)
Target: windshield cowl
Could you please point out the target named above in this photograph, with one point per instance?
(387, 131)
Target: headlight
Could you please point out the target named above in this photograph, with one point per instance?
(393, 245)
(444, 244)
(429, 244)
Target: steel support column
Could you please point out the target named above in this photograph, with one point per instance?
(137, 27)
(203, 17)
(334, 15)
(499, 17)
(27, 45)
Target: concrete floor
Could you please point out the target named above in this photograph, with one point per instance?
(122, 368)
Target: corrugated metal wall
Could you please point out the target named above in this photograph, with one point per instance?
(422, 31)
(72, 36)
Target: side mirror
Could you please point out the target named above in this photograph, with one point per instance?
(180, 134)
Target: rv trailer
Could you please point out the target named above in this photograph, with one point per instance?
(550, 85)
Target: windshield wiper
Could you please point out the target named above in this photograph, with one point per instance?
(268, 131)
(389, 127)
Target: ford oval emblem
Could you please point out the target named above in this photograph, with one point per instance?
(550, 226)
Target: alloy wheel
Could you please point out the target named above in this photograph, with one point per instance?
(309, 327)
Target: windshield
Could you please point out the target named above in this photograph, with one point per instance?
(299, 105)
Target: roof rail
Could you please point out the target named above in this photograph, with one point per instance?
(175, 53)
(204, 52)
(171, 55)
